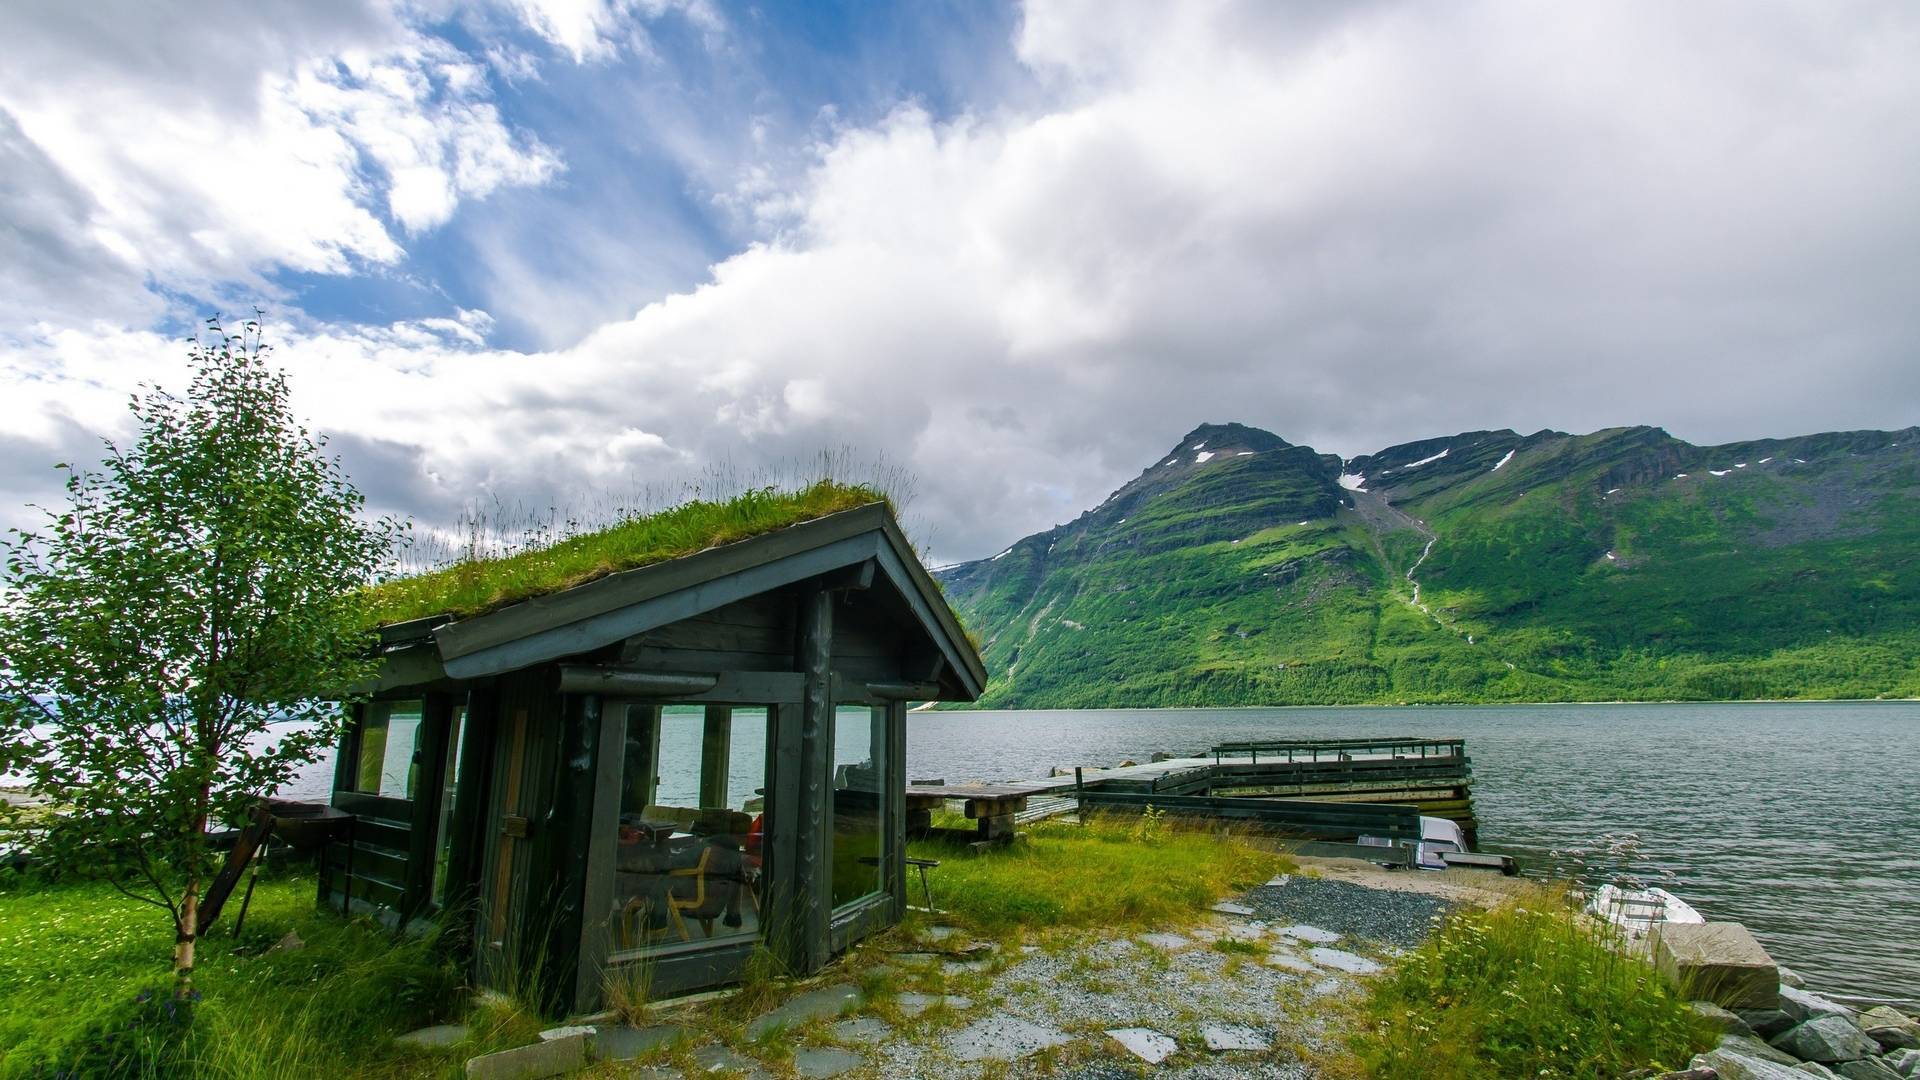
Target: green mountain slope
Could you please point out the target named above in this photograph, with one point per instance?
(1486, 566)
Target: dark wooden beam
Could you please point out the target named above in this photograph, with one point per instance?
(627, 682)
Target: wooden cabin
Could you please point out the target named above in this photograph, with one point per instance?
(654, 774)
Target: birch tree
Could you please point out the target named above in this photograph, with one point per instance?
(178, 639)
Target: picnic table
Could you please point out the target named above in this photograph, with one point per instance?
(990, 806)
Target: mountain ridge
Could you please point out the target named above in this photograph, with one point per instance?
(1240, 568)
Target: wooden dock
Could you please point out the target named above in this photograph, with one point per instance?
(1317, 788)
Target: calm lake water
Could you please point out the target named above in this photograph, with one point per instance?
(1800, 820)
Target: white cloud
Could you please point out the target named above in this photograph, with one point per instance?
(594, 30)
(286, 159)
(1354, 226)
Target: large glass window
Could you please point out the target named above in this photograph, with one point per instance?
(389, 736)
(859, 801)
(450, 783)
(692, 816)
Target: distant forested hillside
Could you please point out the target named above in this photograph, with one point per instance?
(1486, 566)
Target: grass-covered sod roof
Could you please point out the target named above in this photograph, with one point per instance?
(479, 586)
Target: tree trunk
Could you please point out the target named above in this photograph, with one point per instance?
(185, 932)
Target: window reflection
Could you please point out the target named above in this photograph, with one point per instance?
(692, 814)
(859, 757)
(386, 765)
(450, 785)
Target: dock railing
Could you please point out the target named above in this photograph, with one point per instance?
(1292, 750)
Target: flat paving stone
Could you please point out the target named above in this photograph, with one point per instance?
(567, 1032)
(1003, 1038)
(866, 1029)
(1332, 984)
(961, 967)
(1146, 1044)
(532, 1062)
(1228, 907)
(1341, 960)
(812, 1005)
(618, 1042)
(1224, 1037)
(941, 933)
(1168, 942)
(825, 1061)
(436, 1036)
(1303, 932)
(913, 1004)
(1290, 962)
(719, 1059)
(1247, 932)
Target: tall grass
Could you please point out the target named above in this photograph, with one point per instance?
(1111, 872)
(1528, 989)
(76, 958)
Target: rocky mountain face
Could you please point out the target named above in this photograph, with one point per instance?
(1239, 568)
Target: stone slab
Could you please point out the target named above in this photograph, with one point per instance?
(1003, 1038)
(437, 1036)
(1146, 1044)
(567, 1032)
(818, 1004)
(1332, 984)
(1290, 962)
(533, 1062)
(1720, 962)
(1225, 1037)
(1904, 1062)
(618, 1042)
(720, 1059)
(913, 1004)
(1228, 907)
(819, 1062)
(866, 1029)
(1311, 934)
(1341, 960)
(1168, 942)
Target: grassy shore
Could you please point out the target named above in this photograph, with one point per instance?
(76, 959)
(1530, 988)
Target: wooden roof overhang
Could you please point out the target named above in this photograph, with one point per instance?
(609, 609)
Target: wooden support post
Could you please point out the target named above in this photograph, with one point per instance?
(716, 741)
(813, 867)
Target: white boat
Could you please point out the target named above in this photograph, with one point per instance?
(1437, 836)
(1638, 910)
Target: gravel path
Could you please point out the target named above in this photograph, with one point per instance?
(1394, 918)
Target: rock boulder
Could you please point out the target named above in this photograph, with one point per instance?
(1827, 1039)
(1891, 1028)
(1866, 1069)
(1720, 962)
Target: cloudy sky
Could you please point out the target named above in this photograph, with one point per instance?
(539, 249)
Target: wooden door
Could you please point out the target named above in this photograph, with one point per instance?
(505, 875)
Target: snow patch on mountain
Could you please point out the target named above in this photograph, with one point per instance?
(1502, 461)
